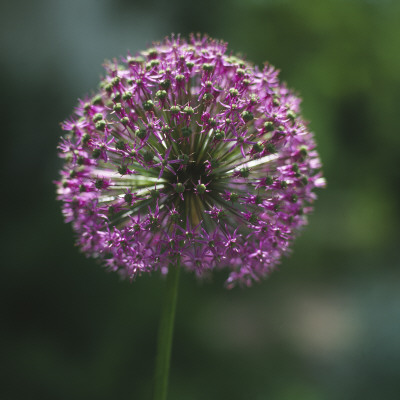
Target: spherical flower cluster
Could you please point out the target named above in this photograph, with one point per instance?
(188, 154)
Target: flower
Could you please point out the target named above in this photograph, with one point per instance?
(188, 153)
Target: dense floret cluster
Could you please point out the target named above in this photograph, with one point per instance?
(188, 154)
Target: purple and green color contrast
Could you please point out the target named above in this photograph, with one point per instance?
(188, 154)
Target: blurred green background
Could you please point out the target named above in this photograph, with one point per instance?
(326, 326)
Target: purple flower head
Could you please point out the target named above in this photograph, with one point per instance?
(189, 153)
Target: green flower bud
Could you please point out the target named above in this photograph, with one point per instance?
(270, 148)
(269, 180)
(179, 187)
(116, 97)
(233, 197)
(101, 125)
(108, 87)
(201, 188)
(174, 109)
(207, 67)
(219, 135)
(291, 115)
(120, 145)
(135, 60)
(208, 97)
(303, 151)
(154, 63)
(127, 95)
(269, 126)
(188, 110)
(304, 180)
(97, 117)
(247, 116)
(258, 199)
(117, 107)
(136, 227)
(97, 100)
(122, 169)
(186, 131)
(86, 138)
(234, 92)
(258, 147)
(96, 153)
(161, 94)
(253, 99)
(148, 105)
(165, 84)
(221, 214)
(152, 52)
(244, 172)
(115, 81)
(128, 198)
(141, 133)
(99, 183)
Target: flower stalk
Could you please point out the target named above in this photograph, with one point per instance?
(165, 333)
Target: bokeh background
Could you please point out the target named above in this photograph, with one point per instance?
(326, 326)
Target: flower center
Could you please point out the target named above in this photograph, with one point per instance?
(192, 174)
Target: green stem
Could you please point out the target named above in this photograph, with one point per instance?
(165, 333)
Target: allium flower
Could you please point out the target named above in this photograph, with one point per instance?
(187, 152)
